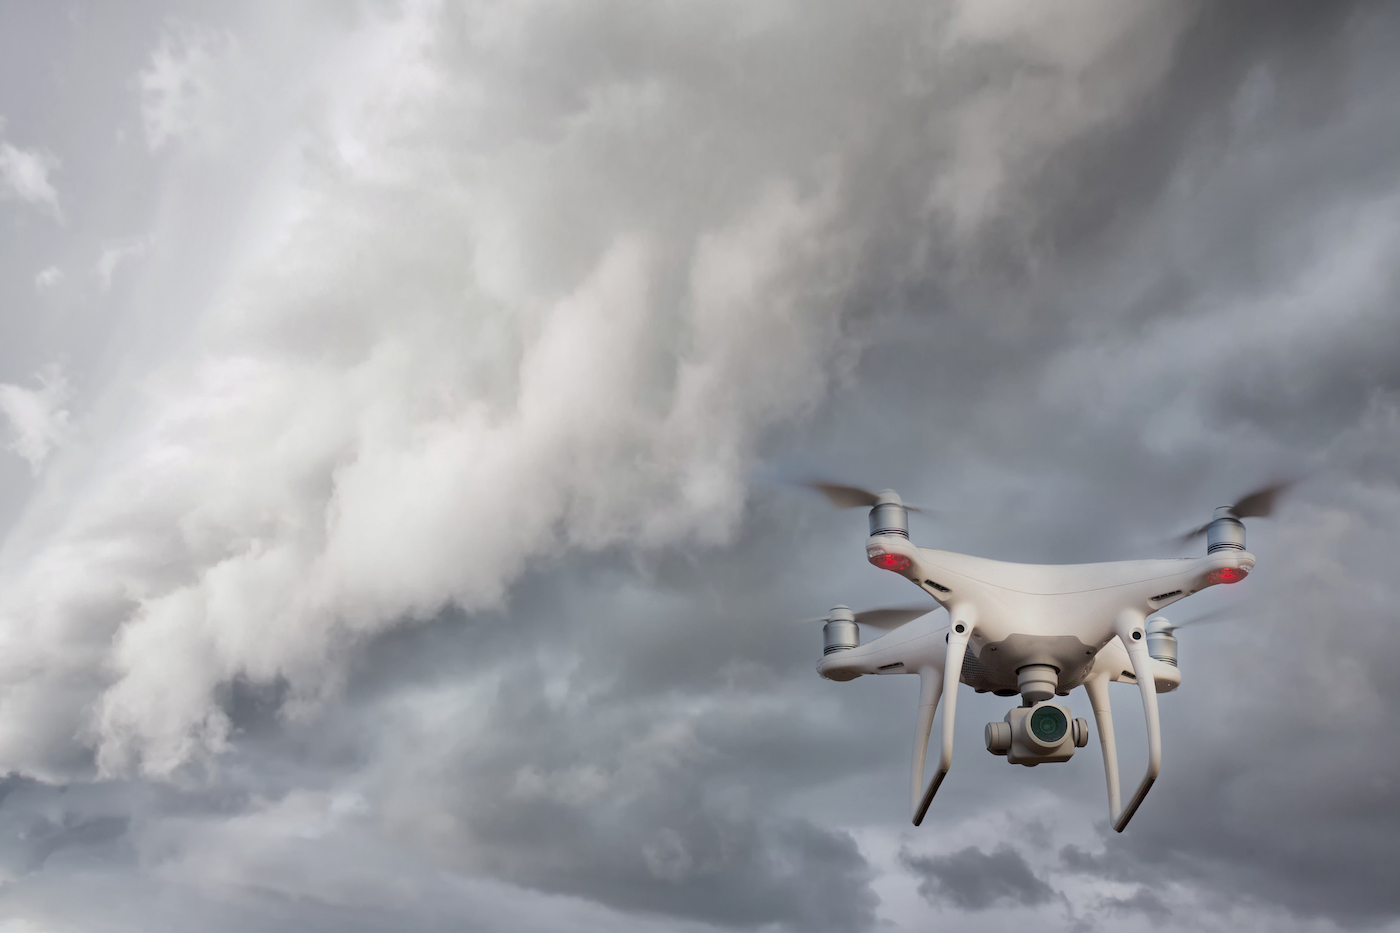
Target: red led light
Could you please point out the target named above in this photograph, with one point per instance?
(896, 562)
(1226, 575)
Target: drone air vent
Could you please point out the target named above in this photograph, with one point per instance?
(943, 589)
(891, 667)
(979, 678)
(1163, 596)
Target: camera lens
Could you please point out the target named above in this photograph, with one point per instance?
(1048, 724)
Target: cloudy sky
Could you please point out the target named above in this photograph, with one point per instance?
(397, 397)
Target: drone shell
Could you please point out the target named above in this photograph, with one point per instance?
(1022, 614)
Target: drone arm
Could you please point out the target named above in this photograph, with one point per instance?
(1097, 688)
(1147, 683)
(930, 686)
(952, 672)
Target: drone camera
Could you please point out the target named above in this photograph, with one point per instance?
(1039, 734)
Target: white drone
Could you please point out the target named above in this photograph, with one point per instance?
(1037, 630)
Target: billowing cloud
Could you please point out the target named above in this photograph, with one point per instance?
(358, 443)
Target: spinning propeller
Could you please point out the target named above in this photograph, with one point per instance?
(1223, 614)
(854, 497)
(886, 619)
(1161, 642)
(1258, 504)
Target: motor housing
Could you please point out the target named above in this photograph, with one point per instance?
(889, 516)
(840, 632)
(1225, 532)
(1161, 643)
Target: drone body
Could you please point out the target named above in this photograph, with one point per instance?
(1033, 630)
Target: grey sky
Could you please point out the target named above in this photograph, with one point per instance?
(396, 397)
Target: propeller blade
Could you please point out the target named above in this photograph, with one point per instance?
(885, 619)
(1220, 614)
(851, 497)
(893, 618)
(1223, 614)
(1259, 504)
(844, 497)
(1191, 535)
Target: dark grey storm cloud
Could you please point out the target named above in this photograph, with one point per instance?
(394, 542)
(1143, 901)
(975, 880)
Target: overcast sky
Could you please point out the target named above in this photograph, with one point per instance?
(397, 396)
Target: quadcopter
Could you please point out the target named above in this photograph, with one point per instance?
(1035, 631)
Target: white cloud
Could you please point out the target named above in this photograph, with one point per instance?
(24, 175)
(48, 277)
(38, 420)
(178, 85)
(433, 440)
(21, 925)
(114, 255)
